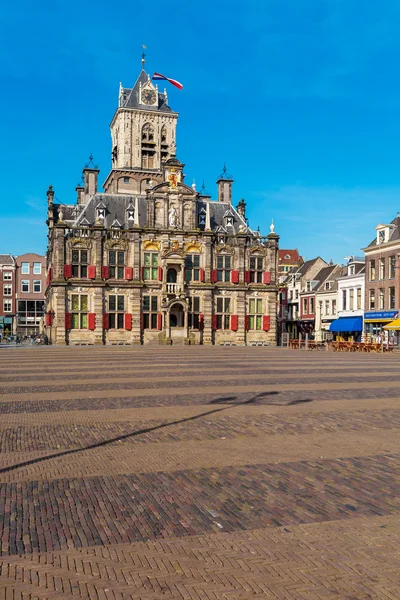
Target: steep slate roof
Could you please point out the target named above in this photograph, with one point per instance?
(130, 96)
(307, 265)
(331, 273)
(7, 259)
(395, 235)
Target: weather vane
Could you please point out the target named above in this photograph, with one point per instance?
(143, 55)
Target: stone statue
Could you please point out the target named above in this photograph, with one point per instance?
(60, 214)
(172, 216)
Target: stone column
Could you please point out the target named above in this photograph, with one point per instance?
(208, 312)
(59, 294)
(98, 302)
(135, 308)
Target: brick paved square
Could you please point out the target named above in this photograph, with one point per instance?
(198, 472)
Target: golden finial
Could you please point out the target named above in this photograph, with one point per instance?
(143, 55)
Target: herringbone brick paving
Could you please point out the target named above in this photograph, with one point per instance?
(197, 473)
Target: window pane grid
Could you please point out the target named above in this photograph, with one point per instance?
(150, 312)
(79, 307)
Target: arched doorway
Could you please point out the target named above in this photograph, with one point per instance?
(177, 315)
(171, 275)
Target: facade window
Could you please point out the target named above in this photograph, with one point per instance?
(381, 298)
(223, 267)
(126, 179)
(334, 307)
(79, 306)
(192, 267)
(79, 263)
(25, 268)
(381, 268)
(305, 306)
(150, 311)
(223, 312)
(7, 306)
(328, 285)
(37, 268)
(312, 306)
(351, 299)
(297, 294)
(256, 269)
(327, 307)
(320, 308)
(344, 299)
(30, 312)
(351, 270)
(7, 276)
(25, 286)
(358, 298)
(116, 264)
(151, 265)
(255, 313)
(372, 274)
(37, 286)
(194, 312)
(392, 297)
(392, 267)
(116, 312)
(7, 290)
(372, 299)
(308, 286)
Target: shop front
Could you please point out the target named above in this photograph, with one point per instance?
(376, 321)
(347, 329)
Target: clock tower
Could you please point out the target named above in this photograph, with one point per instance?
(143, 134)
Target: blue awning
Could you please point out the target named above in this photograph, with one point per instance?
(347, 324)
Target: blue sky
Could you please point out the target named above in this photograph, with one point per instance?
(300, 99)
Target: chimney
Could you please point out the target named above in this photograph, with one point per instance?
(80, 194)
(224, 183)
(90, 175)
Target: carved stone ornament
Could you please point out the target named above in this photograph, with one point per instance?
(173, 252)
(80, 242)
(192, 247)
(151, 245)
(258, 249)
(224, 248)
(111, 244)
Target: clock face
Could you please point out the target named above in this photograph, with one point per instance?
(148, 96)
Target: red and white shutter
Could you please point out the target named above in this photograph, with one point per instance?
(92, 272)
(92, 321)
(235, 276)
(128, 321)
(67, 271)
(202, 276)
(214, 276)
(68, 321)
(105, 272)
(105, 321)
(266, 277)
(128, 274)
(159, 322)
(266, 323)
(234, 322)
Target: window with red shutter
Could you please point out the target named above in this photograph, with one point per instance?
(247, 322)
(105, 272)
(159, 321)
(67, 271)
(68, 321)
(247, 276)
(214, 322)
(267, 277)
(49, 319)
(202, 275)
(266, 323)
(235, 276)
(92, 272)
(141, 321)
(128, 273)
(92, 321)
(234, 322)
(160, 273)
(128, 321)
(201, 322)
(105, 321)
(214, 276)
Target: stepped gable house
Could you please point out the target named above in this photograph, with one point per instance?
(152, 260)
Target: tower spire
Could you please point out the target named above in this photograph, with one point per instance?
(143, 56)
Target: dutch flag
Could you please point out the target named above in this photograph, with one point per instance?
(174, 82)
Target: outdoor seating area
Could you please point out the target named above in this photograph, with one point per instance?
(300, 344)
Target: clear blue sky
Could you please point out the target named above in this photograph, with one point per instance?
(300, 99)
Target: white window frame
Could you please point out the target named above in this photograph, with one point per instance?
(7, 289)
(22, 286)
(23, 272)
(7, 306)
(7, 275)
(40, 286)
(37, 264)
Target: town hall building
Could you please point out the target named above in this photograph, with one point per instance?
(151, 259)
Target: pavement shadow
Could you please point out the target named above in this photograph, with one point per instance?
(227, 402)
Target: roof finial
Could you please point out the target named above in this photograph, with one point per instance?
(272, 226)
(143, 56)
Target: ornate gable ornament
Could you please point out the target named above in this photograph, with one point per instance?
(80, 242)
(110, 244)
(258, 249)
(192, 247)
(220, 248)
(151, 245)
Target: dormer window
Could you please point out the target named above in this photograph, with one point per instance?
(287, 257)
(130, 212)
(84, 233)
(101, 213)
(202, 219)
(308, 286)
(381, 236)
(229, 221)
(351, 270)
(328, 285)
